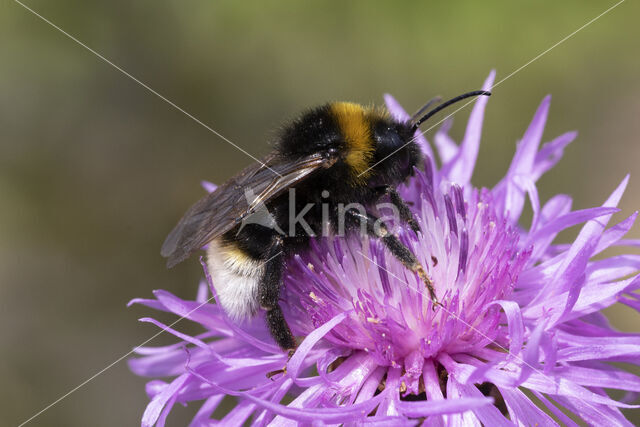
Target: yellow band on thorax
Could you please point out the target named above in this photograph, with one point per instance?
(355, 126)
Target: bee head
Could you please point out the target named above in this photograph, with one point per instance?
(374, 149)
(396, 154)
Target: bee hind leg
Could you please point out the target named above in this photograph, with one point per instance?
(269, 289)
(269, 296)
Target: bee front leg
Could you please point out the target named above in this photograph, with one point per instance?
(404, 211)
(269, 289)
(377, 228)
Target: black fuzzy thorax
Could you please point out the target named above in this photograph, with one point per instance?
(394, 155)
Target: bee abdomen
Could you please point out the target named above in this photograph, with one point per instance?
(236, 277)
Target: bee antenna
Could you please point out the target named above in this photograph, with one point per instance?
(425, 107)
(441, 107)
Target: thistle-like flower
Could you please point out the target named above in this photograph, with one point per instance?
(519, 337)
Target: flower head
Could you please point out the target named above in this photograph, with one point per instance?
(518, 312)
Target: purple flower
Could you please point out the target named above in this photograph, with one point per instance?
(520, 337)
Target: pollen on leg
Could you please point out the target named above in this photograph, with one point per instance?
(417, 267)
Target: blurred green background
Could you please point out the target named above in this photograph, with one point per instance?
(95, 170)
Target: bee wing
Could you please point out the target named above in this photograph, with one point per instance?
(223, 209)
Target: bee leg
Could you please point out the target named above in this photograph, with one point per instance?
(269, 289)
(272, 374)
(269, 297)
(377, 228)
(401, 205)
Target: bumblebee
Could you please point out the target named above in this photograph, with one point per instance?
(336, 155)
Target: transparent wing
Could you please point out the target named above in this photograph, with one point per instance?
(220, 211)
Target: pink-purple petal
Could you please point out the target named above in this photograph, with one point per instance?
(461, 169)
(447, 148)
(550, 154)
(154, 409)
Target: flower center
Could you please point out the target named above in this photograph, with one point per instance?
(470, 253)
